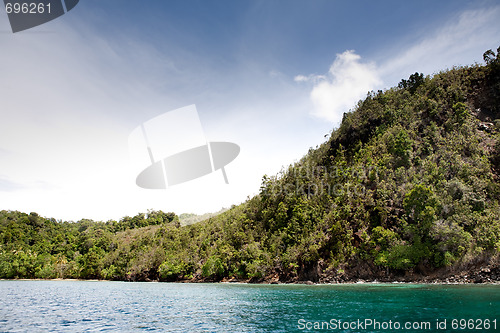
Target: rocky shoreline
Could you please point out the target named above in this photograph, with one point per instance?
(484, 275)
(489, 274)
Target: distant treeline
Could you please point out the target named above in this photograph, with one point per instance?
(35, 247)
(408, 184)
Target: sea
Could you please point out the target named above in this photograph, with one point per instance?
(101, 306)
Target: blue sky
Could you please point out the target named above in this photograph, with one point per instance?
(272, 76)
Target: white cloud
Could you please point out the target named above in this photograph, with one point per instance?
(301, 78)
(460, 41)
(310, 78)
(347, 81)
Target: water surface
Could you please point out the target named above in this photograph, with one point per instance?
(89, 306)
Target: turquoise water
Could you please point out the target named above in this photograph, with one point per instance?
(87, 306)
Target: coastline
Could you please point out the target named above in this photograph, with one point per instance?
(424, 281)
(246, 282)
(365, 273)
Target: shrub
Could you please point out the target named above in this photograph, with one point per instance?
(213, 268)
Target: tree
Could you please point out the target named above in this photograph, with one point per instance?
(401, 147)
(420, 205)
(490, 57)
(460, 112)
(91, 263)
(413, 82)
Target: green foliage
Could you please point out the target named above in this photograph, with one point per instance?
(407, 182)
(170, 270)
(213, 268)
(400, 146)
(414, 81)
(406, 256)
(420, 205)
(383, 237)
(460, 112)
(490, 58)
(90, 263)
(452, 242)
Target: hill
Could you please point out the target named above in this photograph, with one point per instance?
(407, 188)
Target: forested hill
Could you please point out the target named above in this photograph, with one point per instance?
(406, 188)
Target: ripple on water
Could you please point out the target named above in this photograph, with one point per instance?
(70, 306)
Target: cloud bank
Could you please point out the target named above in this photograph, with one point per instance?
(347, 81)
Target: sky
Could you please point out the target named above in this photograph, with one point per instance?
(273, 77)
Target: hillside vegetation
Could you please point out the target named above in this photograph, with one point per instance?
(407, 187)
